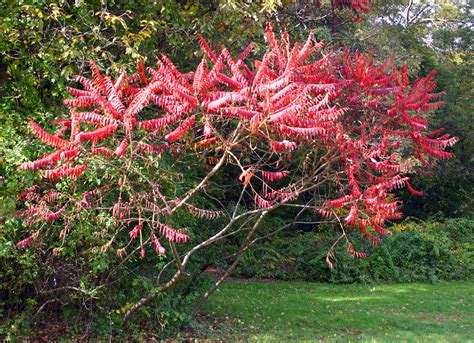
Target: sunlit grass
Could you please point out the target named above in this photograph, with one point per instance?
(283, 311)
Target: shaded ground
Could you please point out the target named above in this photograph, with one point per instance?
(307, 311)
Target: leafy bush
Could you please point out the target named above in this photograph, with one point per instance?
(87, 289)
(430, 251)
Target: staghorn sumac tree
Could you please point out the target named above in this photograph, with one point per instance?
(325, 132)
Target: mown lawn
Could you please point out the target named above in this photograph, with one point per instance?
(283, 311)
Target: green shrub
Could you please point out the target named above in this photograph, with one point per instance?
(87, 288)
(430, 251)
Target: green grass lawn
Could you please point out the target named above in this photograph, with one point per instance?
(283, 311)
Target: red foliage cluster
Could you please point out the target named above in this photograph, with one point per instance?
(355, 6)
(361, 122)
(362, 5)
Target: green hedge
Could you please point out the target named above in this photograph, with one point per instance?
(87, 288)
(429, 251)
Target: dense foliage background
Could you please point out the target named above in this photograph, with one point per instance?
(43, 44)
